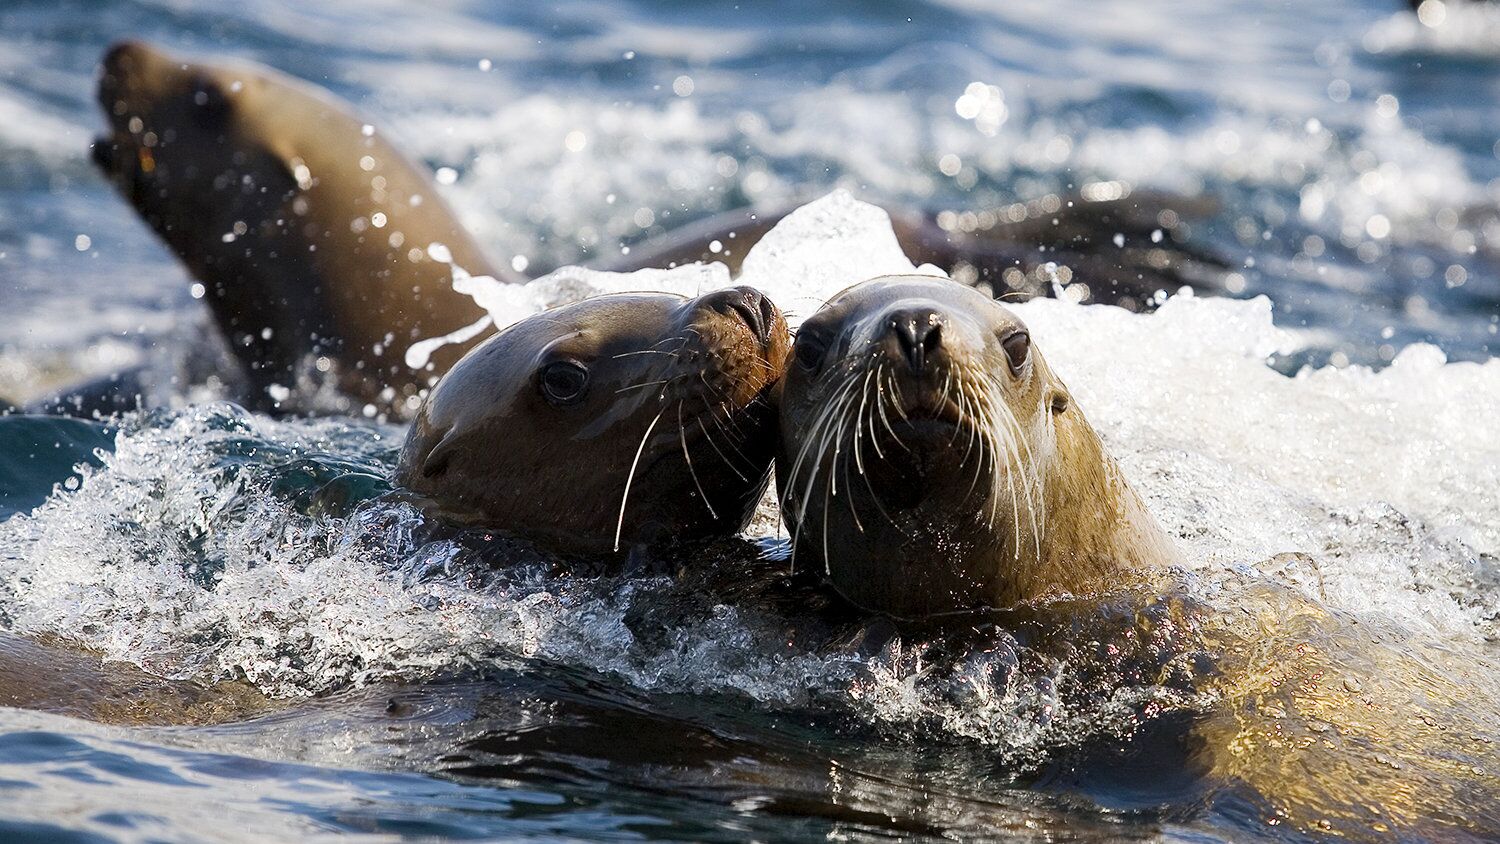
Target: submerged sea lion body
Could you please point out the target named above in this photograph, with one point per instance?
(314, 237)
(51, 677)
(597, 425)
(931, 462)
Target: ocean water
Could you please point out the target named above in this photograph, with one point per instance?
(418, 689)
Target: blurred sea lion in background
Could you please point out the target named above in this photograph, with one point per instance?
(608, 422)
(320, 247)
(1120, 246)
(314, 238)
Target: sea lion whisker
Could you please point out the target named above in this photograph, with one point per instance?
(885, 417)
(765, 367)
(900, 399)
(813, 434)
(806, 495)
(1028, 476)
(827, 566)
(864, 401)
(1015, 499)
(817, 434)
(947, 387)
(734, 431)
(1017, 444)
(630, 478)
(1002, 442)
(727, 462)
(733, 436)
(645, 352)
(830, 415)
(686, 455)
(966, 409)
(715, 399)
(647, 384)
(840, 419)
(834, 434)
(848, 496)
(875, 441)
(874, 438)
(681, 341)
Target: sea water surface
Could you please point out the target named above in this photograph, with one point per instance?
(422, 690)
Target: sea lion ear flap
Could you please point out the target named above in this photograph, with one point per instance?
(437, 460)
(1059, 401)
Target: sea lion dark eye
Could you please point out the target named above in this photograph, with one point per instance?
(810, 349)
(563, 382)
(1017, 349)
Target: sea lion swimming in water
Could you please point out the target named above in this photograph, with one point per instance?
(311, 233)
(608, 422)
(319, 245)
(931, 462)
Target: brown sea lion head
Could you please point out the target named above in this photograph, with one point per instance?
(313, 235)
(932, 462)
(173, 148)
(608, 422)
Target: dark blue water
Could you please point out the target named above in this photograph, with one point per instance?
(418, 691)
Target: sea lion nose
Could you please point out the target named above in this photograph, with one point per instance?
(918, 334)
(747, 304)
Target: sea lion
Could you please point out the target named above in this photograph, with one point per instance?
(312, 235)
(931, 462)
(51, 676)
(1105, 242)
(607, 422)
(321, 248)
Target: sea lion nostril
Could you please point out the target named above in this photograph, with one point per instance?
(919, 334)
(749, 305)
(767, 315)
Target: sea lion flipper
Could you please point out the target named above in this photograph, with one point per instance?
(437, 460)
